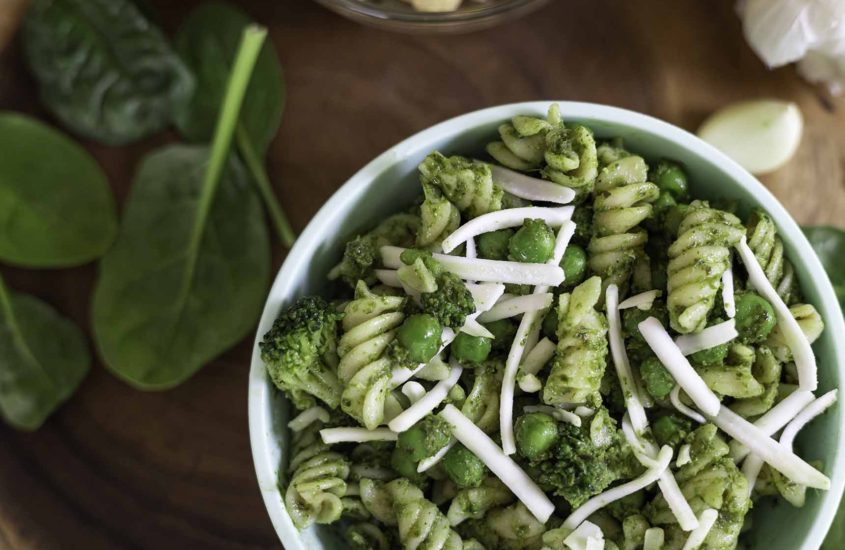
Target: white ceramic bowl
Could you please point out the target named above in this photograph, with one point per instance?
(389, 182)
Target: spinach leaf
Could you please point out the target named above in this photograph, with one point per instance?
(43, 359)
(207, 42)
(829, 244)
(56, 208)
(187, 276)
(104, 70)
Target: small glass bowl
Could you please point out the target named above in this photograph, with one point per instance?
(398, 16)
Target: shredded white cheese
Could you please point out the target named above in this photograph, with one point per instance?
(356, 435)
(772, 452)
(403, 374)
(527, 333)
(705, 522)
(710, 337)
(430, 461)
(533, 189)
(675, 398)
(620, 360)
(683, 455)
(539, 355)
(413, 390)
(584, 412)
(802, 352)
(601, 500)
(728, 298)
(471, 251)
(580, 538)
(556, 413)
(389, 277)
(500, 464)
(529, 383)
(654, 539)
(807, 414)
(661, 343)
(751, 467)
(642, 301)
(776, 418)
(308, 417)
(427, 402)
(485, 295)
(516, 306)
(474, 328)
(503, 219)
(495, 271)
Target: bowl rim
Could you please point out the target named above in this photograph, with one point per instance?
(261, 391)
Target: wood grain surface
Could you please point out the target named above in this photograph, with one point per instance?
(120, 468)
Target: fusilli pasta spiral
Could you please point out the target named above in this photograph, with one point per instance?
(482, 403)
(580, 359)
(734, 377)
(697, 259)
(623, 200)
(421, 524)
(466, 183)
(366, 536)
(767, 370)
(438, 218)
(369, 325)
(768, 248)
(811, 324)
(318, 480)
(474, 502)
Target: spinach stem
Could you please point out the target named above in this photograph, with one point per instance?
(252, 40)
(262, 181)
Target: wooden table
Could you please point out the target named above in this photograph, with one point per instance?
(117, 467)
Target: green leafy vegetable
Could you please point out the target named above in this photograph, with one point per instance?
(43, 359)
(207, 42)
(829, 244)
(56, 208)
(188, 273)
(104, 70)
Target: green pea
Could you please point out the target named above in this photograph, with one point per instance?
(710, 357)
(535, 434)
(658, 381)
(471, 349)
(494, 245)
(503, 331)
(463, 467)
(670, 177)
(671, 429)
(550, 325)
(664, 202)
(420, 335)
(404, 464)
(534, 242)
(574, 264)
(755, 317)
(424, 438)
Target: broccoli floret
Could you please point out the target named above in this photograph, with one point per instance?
(361, 255)
(657, 380)
(300, 352)
(451, 301)
(578, 468)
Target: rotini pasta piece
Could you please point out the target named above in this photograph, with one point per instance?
(438, 218)
(515, 527)
(571, 159)
(474, 502)
(421, 524)
(580, 358)
(482, 403)
(468, 184)
(811, 324)
(697, 259)
(767, 371)
(369, 325)
(523, 142)
(609, 152)
(366, 536)
(623, 200)
(768, 248)
(317, 480)
(378, 500)
(733, 377)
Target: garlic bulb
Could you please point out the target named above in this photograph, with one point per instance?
(760, 135)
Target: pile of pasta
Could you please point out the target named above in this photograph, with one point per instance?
(640, 387)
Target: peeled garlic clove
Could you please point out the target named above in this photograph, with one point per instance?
(760, 135)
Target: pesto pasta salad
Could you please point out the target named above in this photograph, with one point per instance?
(556, 347)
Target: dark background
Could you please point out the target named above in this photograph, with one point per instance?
(118, 467)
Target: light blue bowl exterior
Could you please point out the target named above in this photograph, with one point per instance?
(389, 183)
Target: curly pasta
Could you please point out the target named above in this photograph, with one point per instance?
(697, 259)
(734, 378)
(466, 183)
(623, 200)
(474, 502)
(439, 217)
(369, 325)
(580, 359)
(482, 403)
(366, 536)
(515, 527)
(421, 524)
(811, 324)
(571, 159)
(318, 480)
(768, 248)
(767, 370)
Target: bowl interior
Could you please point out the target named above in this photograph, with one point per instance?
(390, 182)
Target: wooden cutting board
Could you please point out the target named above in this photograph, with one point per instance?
(119, 468)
